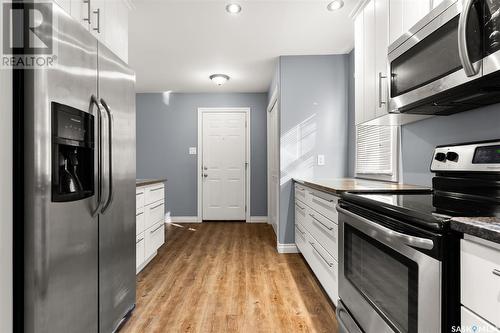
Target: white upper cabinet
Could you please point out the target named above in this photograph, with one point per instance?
(377, 24)
(106, 19)
(404, 14)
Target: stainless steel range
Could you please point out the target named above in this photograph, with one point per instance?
(399, 260)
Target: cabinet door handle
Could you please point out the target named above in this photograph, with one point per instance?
(317, 196)
(302, 232)
(156, 206)
(301, 208)
(88, 11)
(315, 219)
(98, 13)
(380, 77)
(153, 231)
(140, 240)
(324, 259)
(496, 272)
(139, 214)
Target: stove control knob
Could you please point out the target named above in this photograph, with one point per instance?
(441, 157)
(452, 156)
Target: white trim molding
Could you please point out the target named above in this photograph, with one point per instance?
(185, 219)
(202, 110)
(287, 248)
(258, 219)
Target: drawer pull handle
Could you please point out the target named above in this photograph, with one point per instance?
(140, 240)
(327, 200)
(156, 206)
(300, 189)
(139, 214)
(153, 231)
(315, 249)
(302, 232)
(496, 272)
(318, 221)
(139, 193)
(302, 208)
(156, 189)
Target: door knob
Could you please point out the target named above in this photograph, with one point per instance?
(205, 168)
(205, 175)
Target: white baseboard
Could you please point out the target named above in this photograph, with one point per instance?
(185, 219)
(275, 228)
(287, 248)
(257, 219)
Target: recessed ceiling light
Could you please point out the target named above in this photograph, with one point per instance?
(219, 79)
(335, 5)
(233, 8)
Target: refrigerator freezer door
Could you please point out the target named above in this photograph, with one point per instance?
(117, 277)
(60, 240)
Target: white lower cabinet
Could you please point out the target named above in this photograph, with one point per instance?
(316, 235)
(150, 226)
(473, 323)
(480, 282)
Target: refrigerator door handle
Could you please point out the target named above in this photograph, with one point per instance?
(98, 118)
(110, 156)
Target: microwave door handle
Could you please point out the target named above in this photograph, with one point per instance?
(94, 105)
(418, 242)
(462, 39)
(110, 156)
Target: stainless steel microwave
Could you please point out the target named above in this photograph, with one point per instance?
(449, 61)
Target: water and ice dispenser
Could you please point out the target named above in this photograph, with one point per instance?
(72, 154)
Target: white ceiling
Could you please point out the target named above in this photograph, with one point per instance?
(176, 44)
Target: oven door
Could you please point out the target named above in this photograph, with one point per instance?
(385, 280)
(441, 52)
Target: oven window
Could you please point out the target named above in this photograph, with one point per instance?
(388, 280)
(435, 56)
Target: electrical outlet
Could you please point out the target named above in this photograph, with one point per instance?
(321, 159)
(192, 150)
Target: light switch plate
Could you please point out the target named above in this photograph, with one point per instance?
(321, 159)
(192, 150)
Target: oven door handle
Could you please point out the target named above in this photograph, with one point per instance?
(463, 52)
(346, 323)
(418, 242)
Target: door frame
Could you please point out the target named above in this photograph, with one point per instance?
(274, 102)
(201, 111)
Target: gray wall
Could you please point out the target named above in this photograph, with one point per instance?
(313, 120)
(167, 127)
(420, 138)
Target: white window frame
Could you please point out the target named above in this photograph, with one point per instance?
(395, 153)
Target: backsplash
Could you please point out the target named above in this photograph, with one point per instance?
(419, 139)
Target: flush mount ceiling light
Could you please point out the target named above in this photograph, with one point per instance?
(335, 5)
(219, 79)
(233, 8)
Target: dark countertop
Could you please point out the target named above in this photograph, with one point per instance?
(144, 182)
(355, 185)
(483, 227)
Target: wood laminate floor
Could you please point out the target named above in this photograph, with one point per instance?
(228, 277)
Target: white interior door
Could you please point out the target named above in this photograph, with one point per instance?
(273, 165)
(224, 165)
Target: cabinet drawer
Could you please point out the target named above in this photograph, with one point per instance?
(140, 222)
(325, 231)
(480, 279)
(300, 237)
(139, 250)
(154, 193)
(154, 214)
(300, 192)
(324, 266)
(323, 203)
(155, 237)
(139, 198)
(300, 212)
(470, 320)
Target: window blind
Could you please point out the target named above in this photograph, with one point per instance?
(376, 151)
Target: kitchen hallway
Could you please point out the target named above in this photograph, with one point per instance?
(228, 277)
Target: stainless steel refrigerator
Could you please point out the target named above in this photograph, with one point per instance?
(74, 233)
